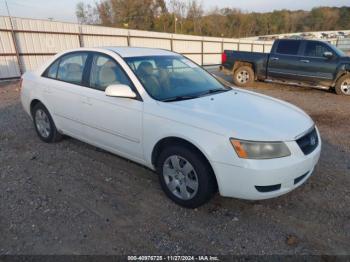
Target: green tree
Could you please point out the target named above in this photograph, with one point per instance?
(87, 14)
(189, 17)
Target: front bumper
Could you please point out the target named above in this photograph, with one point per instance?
(263, 179)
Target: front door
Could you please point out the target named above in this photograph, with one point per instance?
(315, 67)
(111, 122)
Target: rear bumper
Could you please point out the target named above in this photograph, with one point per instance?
(265, 179)
(25, 101)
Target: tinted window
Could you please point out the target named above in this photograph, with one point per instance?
(316, 49)
(167, 77)
(71, 68)
(105, 71)
(52, 70)
(288, 47)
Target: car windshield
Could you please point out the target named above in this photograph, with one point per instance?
(173, 78)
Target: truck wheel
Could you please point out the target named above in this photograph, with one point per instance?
(343, 85)
(243, 76)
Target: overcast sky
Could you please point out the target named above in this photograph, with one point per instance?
(64, 10)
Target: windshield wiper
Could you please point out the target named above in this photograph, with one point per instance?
(213, 91)
(180, 98)
(187, 97)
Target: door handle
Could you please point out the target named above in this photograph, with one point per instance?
(305, 61)
(275, 58)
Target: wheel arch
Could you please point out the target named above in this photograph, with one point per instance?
(344, 73)
(343, 70)
(173, 140)
(36, 101)
(33, 103)
(239, 64)
(338, 85)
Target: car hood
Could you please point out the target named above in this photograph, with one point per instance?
(244, 115)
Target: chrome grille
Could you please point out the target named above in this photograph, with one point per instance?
(308, 142)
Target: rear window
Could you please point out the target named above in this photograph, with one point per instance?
(71, 68)
(51, 72)
(288, 47)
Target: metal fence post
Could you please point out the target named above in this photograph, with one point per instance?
(128, 38)
(81, 42)
(202, 52)
(14, 40)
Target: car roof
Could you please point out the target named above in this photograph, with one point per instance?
(121, 51)
(140, 51)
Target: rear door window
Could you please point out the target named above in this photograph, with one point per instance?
(288, 47)
(51, 72)
(71, 68)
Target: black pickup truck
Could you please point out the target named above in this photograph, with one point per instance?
(299, 62)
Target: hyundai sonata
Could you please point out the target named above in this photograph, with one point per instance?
(162, 110)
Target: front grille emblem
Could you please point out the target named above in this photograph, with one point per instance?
(308, 142)
(312, 140)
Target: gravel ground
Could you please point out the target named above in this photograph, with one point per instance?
(72, 198)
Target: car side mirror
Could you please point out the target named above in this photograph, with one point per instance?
(328, 55)
(120, 91)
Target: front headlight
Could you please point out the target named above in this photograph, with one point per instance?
(259, 150)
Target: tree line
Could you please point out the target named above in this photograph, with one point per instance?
(189, 17)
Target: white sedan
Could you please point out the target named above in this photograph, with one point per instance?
(162, 110)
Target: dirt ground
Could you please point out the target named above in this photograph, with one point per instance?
(71, 198)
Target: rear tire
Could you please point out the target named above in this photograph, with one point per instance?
(342, 86)
(44, 125)
(185, 176)
(243, 76)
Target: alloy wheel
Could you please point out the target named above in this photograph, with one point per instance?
(345, 86)
(243, 76)
(42, 123)
(180, 177)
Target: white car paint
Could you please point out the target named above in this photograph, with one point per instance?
(132, 128)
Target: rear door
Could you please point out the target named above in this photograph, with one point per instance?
(284, 61)
(63, 91)
(315, 67)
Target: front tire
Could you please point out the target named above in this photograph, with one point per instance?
(243, 76)
(343, 85)
(44, 125)
(185, 176)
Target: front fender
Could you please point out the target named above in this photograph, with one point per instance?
(215, 147)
